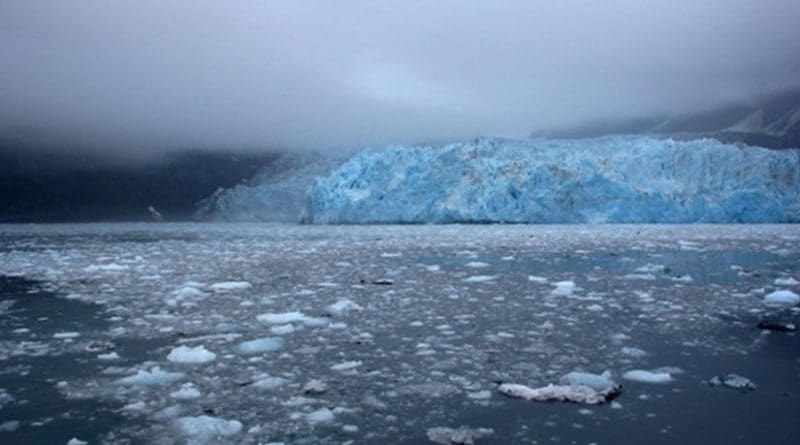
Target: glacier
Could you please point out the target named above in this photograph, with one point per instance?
(275, 194)
(613, 179)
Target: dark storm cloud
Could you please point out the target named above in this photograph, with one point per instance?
(163, 74)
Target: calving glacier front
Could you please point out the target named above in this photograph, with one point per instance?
(606, 180)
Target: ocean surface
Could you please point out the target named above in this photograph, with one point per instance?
(259, 333)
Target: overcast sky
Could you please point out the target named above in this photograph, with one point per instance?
(148, 75)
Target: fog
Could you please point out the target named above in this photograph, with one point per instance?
(149, 76)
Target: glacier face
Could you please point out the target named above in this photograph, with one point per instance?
(275, 194)
(619, 179)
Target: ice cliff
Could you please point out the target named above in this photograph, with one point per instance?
(276, 193)
(620, 179)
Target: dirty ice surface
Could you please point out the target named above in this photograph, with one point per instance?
(398, 334)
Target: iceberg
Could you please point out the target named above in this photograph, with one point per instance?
(613, 179)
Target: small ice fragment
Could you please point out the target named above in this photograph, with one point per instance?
(643, 376)
(9, 426)
(633, 352)
(480, 279)
(205, 429)
(187, 392)
(261, 345)
(477, 264)
(65, 335)
(230, 286)
(786, 281)
(282, 329)
(108, 357)
(342, 307)
(111, 267)
(782, 298)
(594, 308)
(598, 382)
(563, 288)
(563, 393)
(457, 436)
(76, 441)
(346, 366)
(480, 395)
(155, 376)
(535, 279)
(314, 387)
(433, 268)
(322, 415)
(734, 381)
(269, 383)
(191, 355)
(282, 318)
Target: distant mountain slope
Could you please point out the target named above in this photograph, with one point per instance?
(46, 185)
(773, 122)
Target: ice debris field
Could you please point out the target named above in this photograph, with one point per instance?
(615, 179)
(257, 334)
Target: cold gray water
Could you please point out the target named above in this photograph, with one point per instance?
(187, 333)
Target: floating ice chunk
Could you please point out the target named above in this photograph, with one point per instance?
(191, 355)
(9, 426)
(281, 318)
(189, 292)
(782, 298)
(651, 268)
(76, 441)
(204, 429)
(477, 264)
(322, 415)
(230, 286)
(261, 345)
(109, 356)
(643, 376)
(594, 308)
(598, 382)
(433, 268)
(346, 366)
(458, 436)
(111, 267)
(269, 383)
(480, 279)
(633, 352)
(65, 335)
(536, 279)
(282, 329)
(342, 307)
(187, 392)
(156, 376)
(563, 288)
(786, 281)
(561, 393)
(734, 381)
(135, 406)
(314, 387)
(480, 395)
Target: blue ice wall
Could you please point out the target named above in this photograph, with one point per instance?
(620, 179)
